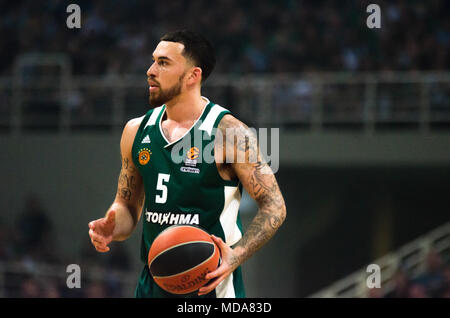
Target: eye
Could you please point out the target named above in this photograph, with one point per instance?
(162, 62)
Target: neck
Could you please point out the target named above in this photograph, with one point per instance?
(185, 107)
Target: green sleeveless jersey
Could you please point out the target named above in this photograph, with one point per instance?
(183, 186)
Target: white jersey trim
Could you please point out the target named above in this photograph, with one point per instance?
(153, 116)
(226, 288)
(228, 221)
(208, 123)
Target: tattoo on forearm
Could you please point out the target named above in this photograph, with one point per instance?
(261, 185)
(271, 214)
(275, 222)
(260, 231)
(234, 261)
(127, 182)
(125, 193)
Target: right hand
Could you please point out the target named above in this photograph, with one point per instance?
(101, 231)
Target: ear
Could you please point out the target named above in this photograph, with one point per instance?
(194, 76)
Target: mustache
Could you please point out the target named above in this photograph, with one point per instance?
(151, 80)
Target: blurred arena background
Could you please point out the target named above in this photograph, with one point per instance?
(364, 118)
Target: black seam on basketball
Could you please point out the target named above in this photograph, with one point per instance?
(189, 268)
(172, 247)
(179, 268)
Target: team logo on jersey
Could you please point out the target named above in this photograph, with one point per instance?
(144, 156)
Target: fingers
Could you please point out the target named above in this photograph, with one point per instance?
(223, 250)
(218, 241)
(220, 244)
(217, 272)
(96, 237)
(109, 219)
(99, 242)
(211, 285)
(220, 273)
(101, 249)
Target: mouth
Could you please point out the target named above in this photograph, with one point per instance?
(153, 88)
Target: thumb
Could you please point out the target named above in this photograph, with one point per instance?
(110, 217)
(218, 241)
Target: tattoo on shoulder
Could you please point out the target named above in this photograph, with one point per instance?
(241, 145)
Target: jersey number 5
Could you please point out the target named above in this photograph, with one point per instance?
(162, 177)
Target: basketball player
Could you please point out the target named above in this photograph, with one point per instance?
(192, 191)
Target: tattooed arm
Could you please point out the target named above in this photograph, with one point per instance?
(241, 151)
(121, 218)
(130, 189)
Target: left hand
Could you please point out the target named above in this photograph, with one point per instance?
(228, 265)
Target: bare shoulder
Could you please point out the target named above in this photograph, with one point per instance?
(134, 123)
(229, 121)
(233, 128)
(129, 131)
(238, 136)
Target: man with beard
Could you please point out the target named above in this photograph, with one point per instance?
(193, 191)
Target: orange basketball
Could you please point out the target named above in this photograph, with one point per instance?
(180, 257)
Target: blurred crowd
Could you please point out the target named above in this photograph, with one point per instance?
(117, 37)
(433, 282)
(28, 248)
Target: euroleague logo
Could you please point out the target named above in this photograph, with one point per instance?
(192, 154)
(191, 161)
(144, 156)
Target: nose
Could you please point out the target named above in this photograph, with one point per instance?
(151, 72)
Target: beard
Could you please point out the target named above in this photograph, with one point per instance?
(163, 96)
